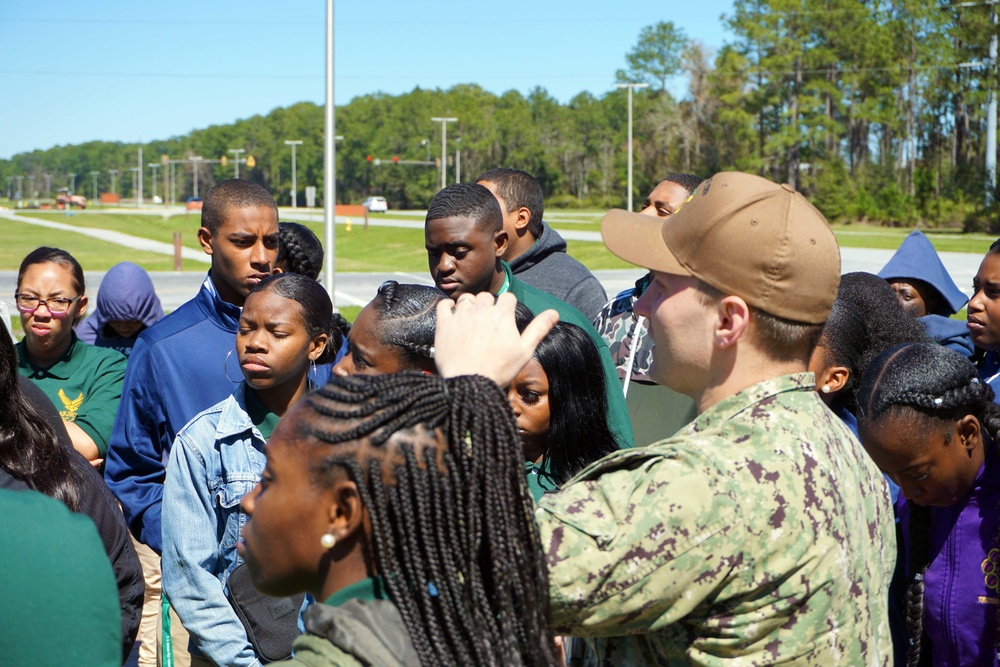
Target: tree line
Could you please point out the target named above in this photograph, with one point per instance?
(876, 110)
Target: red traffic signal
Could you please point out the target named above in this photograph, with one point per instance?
(369, 158)
(395, 158)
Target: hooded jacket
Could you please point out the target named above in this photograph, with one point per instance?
(962, 583)
(547, 267)
(916, 259)
(126, 293)
(355, 634)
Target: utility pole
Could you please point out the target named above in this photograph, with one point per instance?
(31, 185)
(94, 175)
(48, 185)
(444, 145)
(113, 173)
(194, 160)
(630, 86)
(329, 165)
(135, 184)
(20, 194)
(236, 161)
(295, 185)
(72, 182)
(154, 166)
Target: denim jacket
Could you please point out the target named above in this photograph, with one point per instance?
(215, 461)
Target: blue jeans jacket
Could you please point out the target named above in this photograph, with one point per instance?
(215, 461)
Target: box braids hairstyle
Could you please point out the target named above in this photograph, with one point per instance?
(938, 383)
(438, 465)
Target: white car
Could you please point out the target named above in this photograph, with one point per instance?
(376, 204)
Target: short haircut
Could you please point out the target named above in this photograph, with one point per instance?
(56, 256)
(229, 194)
(519, 188)
(687, 181)
(779, 338)
(467, 200)
(299, 250)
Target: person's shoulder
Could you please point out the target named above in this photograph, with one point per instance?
(537, 301)
(188, 316)
(207, 421)
(104, 356)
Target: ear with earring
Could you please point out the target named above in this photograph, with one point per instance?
(328, 541)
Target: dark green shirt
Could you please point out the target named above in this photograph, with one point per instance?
(538, 301)
(85, 385)
(260, 414)
(540, 480)
(60, 601)
(372, 588)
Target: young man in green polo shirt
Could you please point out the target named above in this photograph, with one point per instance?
(465, 240)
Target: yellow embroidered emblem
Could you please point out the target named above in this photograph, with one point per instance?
(991, 568)
(72, 406)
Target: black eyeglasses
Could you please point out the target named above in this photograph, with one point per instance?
(29, 303)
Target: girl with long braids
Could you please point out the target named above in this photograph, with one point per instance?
(561, 407)
(218, 457)
(400, 501)
(394, 332)
(930, 423)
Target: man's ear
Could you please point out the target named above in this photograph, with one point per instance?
(500, 241)
(205, 239)
(970, 433)
(733, 322)
(521, 219)
(832, 379)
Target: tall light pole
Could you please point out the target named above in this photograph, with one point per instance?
(48, 185)
(135, 181)
(236, 158)
(295, 184)
(154, 166)
(72, 182)
(10, 179)
(630, 86)
(113, 172)
(194, 160)
(94, 175)
(20, 194)
(140, 177)
(444, 143)
(31, 185)
(329, 163)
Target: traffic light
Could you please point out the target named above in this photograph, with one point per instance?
(369, 158)
(251, 163)
(223, 161)
(395, 159)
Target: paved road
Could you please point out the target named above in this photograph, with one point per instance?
(356, 289)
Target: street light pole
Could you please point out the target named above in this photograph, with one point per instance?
(154, 166)
(31, 185)
(72, 182)
(20, 179)
(135, 181)
(194, 160)
(48, 185)
(113, 172)
(295, 184)
(94, 175)
(10, 179)
(236, 158)
(444, 143)
(630, 86)
(329, 165)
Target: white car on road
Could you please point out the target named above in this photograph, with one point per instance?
(376, 204)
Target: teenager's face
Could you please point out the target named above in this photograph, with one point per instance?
(48, 335)
(910, 296)
(367, 354)
(529, 398)
(984, 307)
(273, 345)
(934, 466)
(462, 256)
(682, 324)
(281, 542)
(243, 250)
(126, 328)
(665, 199)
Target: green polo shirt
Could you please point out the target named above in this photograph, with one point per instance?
(369, 589)
(537, 301)
(60, 598)
(260, 414)
(85, 385)
(540, 480)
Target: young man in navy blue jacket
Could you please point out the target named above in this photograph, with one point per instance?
(183, 364)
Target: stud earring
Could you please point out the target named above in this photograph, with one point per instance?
(825, 389)
(328, 541)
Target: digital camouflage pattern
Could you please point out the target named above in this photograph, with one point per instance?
(617, 325)
(761, 533)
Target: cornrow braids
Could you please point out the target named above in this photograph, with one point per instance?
(438, 465)
(407, 317)
(299, 250)
(938, 383)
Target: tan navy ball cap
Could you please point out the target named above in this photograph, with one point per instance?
(743, 235)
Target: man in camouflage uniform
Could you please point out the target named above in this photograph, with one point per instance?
(761, 533)
(655, 410)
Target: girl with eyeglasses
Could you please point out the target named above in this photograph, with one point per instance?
(84, 382)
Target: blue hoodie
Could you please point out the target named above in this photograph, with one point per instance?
(126, 293)
(916, 259)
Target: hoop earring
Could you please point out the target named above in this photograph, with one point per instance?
(225, 367)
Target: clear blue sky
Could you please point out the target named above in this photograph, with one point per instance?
(113, 70)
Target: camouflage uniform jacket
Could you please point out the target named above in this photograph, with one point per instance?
(761, 533)
(619, 326)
